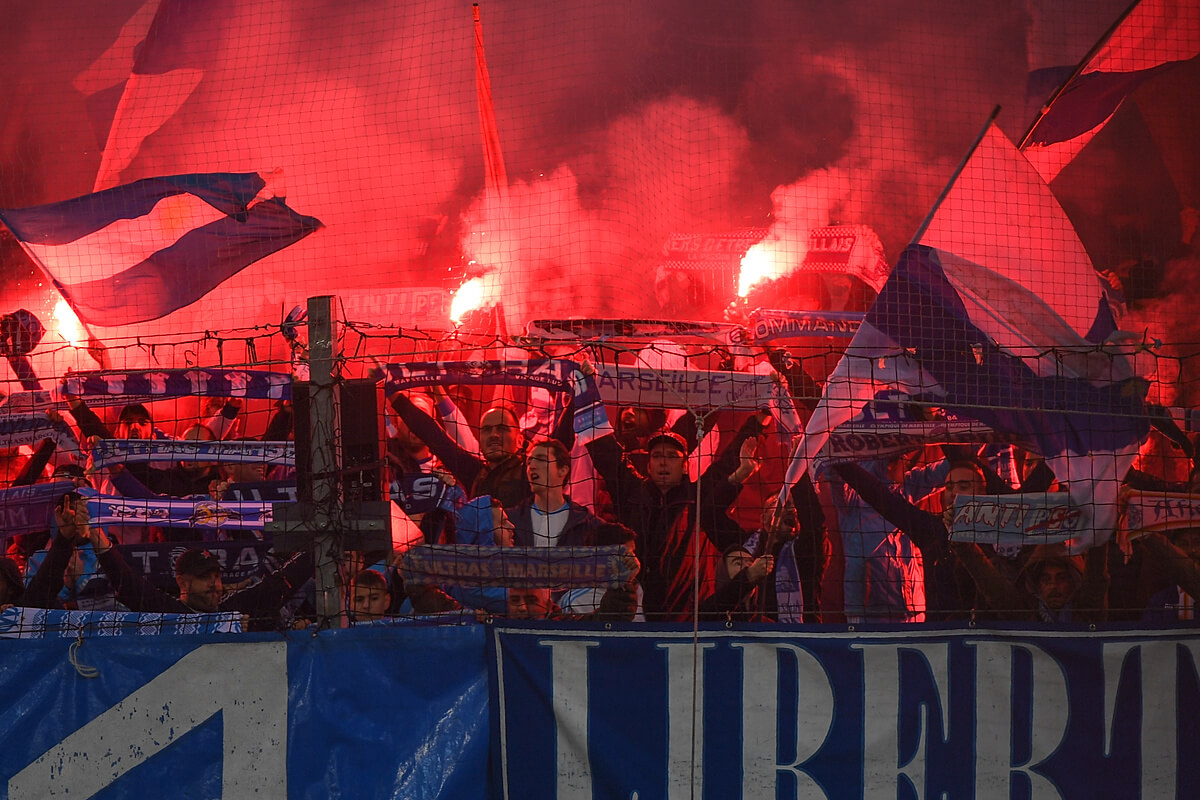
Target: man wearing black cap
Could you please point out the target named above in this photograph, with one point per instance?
(198, 574)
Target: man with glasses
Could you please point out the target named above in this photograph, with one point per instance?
(499, 471)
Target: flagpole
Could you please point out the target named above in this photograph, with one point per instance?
(495, 172)
(1103, 40)
(954, 177)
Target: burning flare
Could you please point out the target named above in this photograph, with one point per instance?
(761, 263)
(67, 324)
(471, 295)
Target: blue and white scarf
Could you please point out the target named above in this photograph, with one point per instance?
(235, 451)
(202, 515)
(41, 623)
(159, 384)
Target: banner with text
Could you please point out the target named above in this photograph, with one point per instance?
(1015, 520)
(831, 714)
(1147, 512)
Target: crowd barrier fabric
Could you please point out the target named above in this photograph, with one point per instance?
(836, 714)
(546, 711)
(363, 713)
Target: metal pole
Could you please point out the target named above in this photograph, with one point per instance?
(326, 440)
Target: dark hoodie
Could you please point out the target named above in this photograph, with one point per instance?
(1088, 601)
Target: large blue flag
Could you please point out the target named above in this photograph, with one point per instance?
(1000, 317)
(140, 251)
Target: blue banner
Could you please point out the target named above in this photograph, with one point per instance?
(767, 325)
(46, 623)
(421, 492)
(550, 711)
(912, 713)
(551, 374)
(363, 713)
(262, 492)
(241, 560)
(236, 451)
(517, 567)
(1015, 520)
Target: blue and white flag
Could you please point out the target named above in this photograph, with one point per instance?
(31, 428)
(231, 451)
(128, 387)
(661, 387)
(262, 491)
(1005, 321)
(140, 251)
(242, 560)
(884, 440)
(1154, 36)
(34, 400)
(517, 567)
(421, 492)
(1148, 512)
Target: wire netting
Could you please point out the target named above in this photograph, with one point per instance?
(748, 223)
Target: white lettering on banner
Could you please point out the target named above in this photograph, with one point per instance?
(247, 558)
(1023, 694)
(1160, 663)
(676, 388)
(994, 756)
(761, 718)
(17, 516)
(569, 669)
(246, 683)
(882, 767)
(685, 720)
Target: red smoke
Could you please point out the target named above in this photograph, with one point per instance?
(620, 125)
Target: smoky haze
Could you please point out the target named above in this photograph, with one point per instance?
(620, 124)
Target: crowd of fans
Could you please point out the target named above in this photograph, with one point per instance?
(691, 501)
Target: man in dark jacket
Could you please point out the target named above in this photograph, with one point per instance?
(499, 470)
(549, 517)
(660, 506)
(11, 585)
(198, 575)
